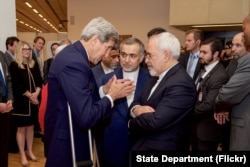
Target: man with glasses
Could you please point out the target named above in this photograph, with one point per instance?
(161, 112)
(116, 139)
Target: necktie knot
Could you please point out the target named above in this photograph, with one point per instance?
(199, 77)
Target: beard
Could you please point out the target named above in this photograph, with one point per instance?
(152, 72)
(204, 62)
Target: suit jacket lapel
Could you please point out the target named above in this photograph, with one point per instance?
(162, 83)
(203, 81)
(140, 83)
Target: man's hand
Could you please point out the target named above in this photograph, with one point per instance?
(221, 117)
(120, 88)
(4, 107)
(142, 109)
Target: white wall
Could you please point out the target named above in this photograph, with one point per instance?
(8, 21)
(135, 17)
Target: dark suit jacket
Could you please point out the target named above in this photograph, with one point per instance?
(8, 58)
(71, 80)
(6, 77)
(173, 101)
(207, 127)
(116, 139)
(183, 59)
(5, 118)
(98, 73)
(46, 68)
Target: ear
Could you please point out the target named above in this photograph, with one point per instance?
(198, 42)
(94, 39)
(167, 55)
(216, 54)
(142, 57)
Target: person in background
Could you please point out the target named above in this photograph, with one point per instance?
(206, 133)
(65, 41)
(44, 92)
(11, 44)
(152, 32)
(27, 83)
(71, 81)
(161, 113)
(234, 97)
(116, 138)
(38, 45)
(108, 64)
(6, 100)
(226, 54)
(48, 62)
(190, 60)
(155, 31)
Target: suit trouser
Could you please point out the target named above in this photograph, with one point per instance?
(4, 138)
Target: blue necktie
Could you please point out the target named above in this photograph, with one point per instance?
(4, 91)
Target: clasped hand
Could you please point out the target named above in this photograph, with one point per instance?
(33, 98)
(221, 117)
(118, 88)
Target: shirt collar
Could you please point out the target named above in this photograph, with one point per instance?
(131, 75)
(196, 54)
(209, 67)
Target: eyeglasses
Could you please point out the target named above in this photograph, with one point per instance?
(125, 55)
(26, 49)
(149, 55)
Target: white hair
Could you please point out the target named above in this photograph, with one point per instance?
(167, 41)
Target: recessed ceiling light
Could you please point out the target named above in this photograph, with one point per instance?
(28, 4)
(35, 10)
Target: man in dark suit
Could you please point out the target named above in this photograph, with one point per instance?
(48, 62)
(116, 139)
(161, 113)
(38, 44)
(71, 81)
(206, 133)
(190, 60)
(6, 98)
(11, 44)
(108, 64)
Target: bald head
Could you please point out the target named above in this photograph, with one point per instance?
(246, 29)
(238, 45)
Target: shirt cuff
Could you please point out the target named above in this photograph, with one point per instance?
(110, 99)
(101, 93)
(131, 111)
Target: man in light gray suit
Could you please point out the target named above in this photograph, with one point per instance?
(235, 96)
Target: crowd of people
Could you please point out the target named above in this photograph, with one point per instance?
(130, 96)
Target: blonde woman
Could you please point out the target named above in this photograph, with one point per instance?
(27, 83)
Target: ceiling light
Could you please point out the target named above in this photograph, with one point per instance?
(41, 15)
(28, 4)
(21, 22)
(216, 25)
(35, 10)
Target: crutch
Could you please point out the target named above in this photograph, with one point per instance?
(88, 163)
